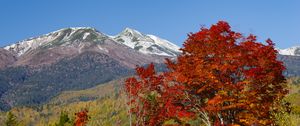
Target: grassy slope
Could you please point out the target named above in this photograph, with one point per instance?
(107, 106)
(294, 92)
(293, 118)
(103, 112)
(96, 92)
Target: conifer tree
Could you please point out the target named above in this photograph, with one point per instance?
(11, 120)
(63, 119)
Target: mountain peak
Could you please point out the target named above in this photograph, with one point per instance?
(74, 29)
(61, 37)
(147, 44)
(127, 29)
(130, 33)
(293, 51)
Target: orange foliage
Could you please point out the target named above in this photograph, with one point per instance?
(154, 99)
(233, 78)
(81, 118)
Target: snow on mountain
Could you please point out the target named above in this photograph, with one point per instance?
(62, 37)
(32, 43)
(147, 44)
(164, 43)
(293, 51)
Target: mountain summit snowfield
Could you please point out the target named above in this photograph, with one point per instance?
(63, 36)
(147, 44)
(293, 51)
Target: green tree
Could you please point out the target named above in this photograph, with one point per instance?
(63, 119)
(11, 119)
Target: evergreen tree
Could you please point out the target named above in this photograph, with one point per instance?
(11, 119)
(63, 119)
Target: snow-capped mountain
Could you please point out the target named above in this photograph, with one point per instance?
(146, 44)
(62, 37)
(293, 51)
(72, 59)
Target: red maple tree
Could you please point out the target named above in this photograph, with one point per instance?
(234, 79)
(81, 118)
(154, 98)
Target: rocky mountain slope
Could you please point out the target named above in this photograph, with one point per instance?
(147, 44)
(36, 69)
(291, 60)
(292, 64)
(69, 42)
(6, 58)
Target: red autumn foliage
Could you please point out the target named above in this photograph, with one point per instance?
(235, 79)
(154, 99)
(81, 118)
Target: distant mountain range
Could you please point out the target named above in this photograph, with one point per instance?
(291, 60)
(37, 69)
(293, 51)
(72, 37)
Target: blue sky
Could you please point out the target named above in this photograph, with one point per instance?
(275, 19)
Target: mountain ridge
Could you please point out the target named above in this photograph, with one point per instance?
(39, 68)
(292, 51)
(148, 39)
(65, 35)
